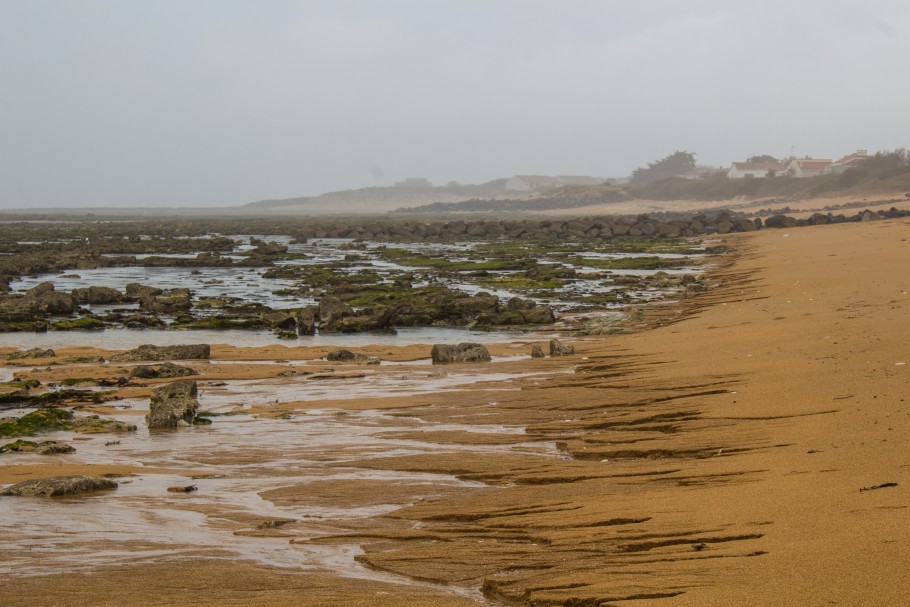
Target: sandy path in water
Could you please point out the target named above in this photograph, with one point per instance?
(717, 459)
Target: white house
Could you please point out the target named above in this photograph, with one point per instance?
(704, 173)
(807, 167)
(740, 170)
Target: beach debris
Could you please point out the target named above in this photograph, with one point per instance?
(882, 486)
(165, 370)
(173, 405)
(149, 352)
(557, 348)
(57, 486)
(461, 353)
(182, 489)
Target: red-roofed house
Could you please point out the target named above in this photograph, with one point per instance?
(858, 158)
(739, 170)
(807, 167)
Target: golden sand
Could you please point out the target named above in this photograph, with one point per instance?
(727, 456)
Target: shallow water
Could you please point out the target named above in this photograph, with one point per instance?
(239, 457)
(125, 339)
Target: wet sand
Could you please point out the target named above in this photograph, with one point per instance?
(715, 457)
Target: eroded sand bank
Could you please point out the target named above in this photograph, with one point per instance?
(717, 459)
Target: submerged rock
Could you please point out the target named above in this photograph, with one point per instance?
(165, 370)
(57, 486)
(149, 352)
(173, 405)
(461, 353)
(557, 348)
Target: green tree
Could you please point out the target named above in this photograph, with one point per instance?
(677, 163)
(762, 158)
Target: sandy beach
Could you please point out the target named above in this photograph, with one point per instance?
(744, 446)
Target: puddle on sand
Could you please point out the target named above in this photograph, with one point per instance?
(349, 383)
(239, 457)
(127, 339)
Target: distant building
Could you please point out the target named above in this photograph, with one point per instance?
(536, 183)
(857, 158)
(414, 182)
(740, 170)
(704, 173)
(807, 167)
(579, 180)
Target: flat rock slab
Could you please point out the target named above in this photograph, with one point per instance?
(461, 353)
(58, 486)
(148, 352)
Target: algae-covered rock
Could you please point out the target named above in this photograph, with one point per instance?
(57, 486)
(52, 419)
(461, 353)
(32, 353)
(173, 405)
(149, 352)
(166, 370)
(48, 447)
(42, 420)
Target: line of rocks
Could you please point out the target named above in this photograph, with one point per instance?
(668, 225)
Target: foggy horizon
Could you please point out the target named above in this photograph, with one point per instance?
(115, 104)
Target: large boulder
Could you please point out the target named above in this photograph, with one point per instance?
(149, 352)
(306, 321)
(519, 304)
(557, 348)
(173, 405)
(332, 309)
(540, 315)
(56, 486)
(461, 353)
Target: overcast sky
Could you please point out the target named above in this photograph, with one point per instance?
(221, 102)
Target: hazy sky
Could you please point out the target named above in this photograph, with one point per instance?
(197, 103)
